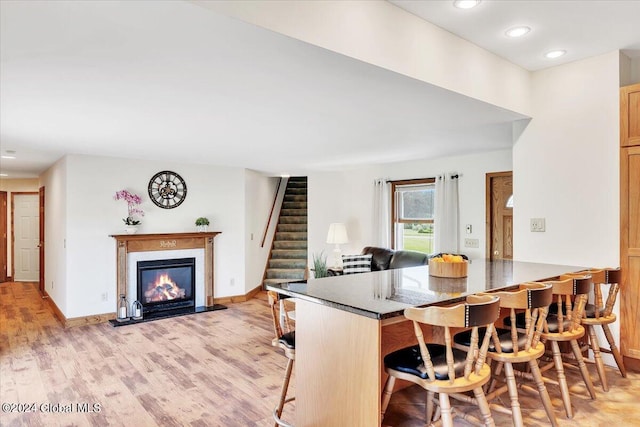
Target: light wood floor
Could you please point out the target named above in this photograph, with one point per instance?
(209, 369)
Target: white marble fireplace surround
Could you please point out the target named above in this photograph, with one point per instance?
(132, 271)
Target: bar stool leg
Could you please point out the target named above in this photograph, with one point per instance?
(445, 410)
(583, 368)
(544, 394)
(285, 388)
(595, 347)
(429, 409)
(614, 350)
(516, 413)
(484, 407)
(386, 394)
(562, 379)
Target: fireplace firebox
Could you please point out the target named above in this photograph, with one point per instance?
(166, 285)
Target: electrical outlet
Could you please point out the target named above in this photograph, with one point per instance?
(52, 284)
(471, 243)
(105, 297)
(232, 282)
(537, 224)
(469, 228)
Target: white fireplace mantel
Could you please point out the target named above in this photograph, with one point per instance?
(126, 243)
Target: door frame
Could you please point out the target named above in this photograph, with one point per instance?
(3, 238)
(13, 227)
(488, 215)
(41, 241)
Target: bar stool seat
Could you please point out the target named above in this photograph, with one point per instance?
(409, 361)
(553, 322)
(504, 337)
(288, 340)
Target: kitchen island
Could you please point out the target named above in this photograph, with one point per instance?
(345, 325)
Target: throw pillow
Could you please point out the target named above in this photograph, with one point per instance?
(352, 264)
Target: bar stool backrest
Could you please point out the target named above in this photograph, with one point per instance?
(603, 276)
(575, 290)
(534, 299)
(477, 310)
(274, 306)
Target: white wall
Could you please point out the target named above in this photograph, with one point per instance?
(635, 71)
(382, 34)
(54, 181)
(566, 166)
(12, 186)
(348, 197)
(259, 195)
(85, 214)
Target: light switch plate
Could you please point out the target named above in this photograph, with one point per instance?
(471, 243)
(537, 224)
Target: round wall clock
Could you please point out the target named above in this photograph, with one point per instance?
(167, 189)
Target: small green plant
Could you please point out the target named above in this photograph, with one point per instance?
(320, 265)
(202, 221)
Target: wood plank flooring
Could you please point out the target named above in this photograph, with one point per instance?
(210, 369)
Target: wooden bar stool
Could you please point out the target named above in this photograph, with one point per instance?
(287, 342)
(443, 369)
(564, 325)
(603, 315)
(511, 346)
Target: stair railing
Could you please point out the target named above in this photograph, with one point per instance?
(273, 207)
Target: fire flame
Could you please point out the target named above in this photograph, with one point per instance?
(163, 289)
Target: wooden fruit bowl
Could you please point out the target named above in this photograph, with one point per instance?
(448, 269)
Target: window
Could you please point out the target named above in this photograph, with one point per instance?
(412, 205)
(509, 203)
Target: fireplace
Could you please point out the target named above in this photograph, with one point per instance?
(166, 285)
(181, 259)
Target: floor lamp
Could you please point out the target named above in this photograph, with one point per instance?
(337, 235)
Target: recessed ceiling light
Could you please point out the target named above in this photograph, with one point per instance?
(555, 54)
(466, 4)
(3, 174)
(517, 31)
(8, 157)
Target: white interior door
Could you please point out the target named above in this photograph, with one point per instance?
(26, 232)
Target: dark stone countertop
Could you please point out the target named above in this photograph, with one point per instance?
(385, 294)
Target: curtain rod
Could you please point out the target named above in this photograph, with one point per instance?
(456, 176)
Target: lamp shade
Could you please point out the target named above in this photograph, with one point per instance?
(337, 234)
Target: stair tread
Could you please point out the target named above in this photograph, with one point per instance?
(288, 260)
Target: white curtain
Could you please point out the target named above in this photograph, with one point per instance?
(446, 217)
(382, 213)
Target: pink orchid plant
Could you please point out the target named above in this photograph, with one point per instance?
(133, 200)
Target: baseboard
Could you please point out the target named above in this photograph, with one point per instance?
(77, 321)
(102, 318)
(94, 319)
(631, 364)
(238, 298)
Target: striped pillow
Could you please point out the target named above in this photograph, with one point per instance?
(352, 264)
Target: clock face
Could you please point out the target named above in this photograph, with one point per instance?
(167, 189)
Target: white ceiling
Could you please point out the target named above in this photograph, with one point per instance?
(168, 80)
(582, 28)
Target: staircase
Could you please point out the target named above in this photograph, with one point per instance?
(288, 258)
